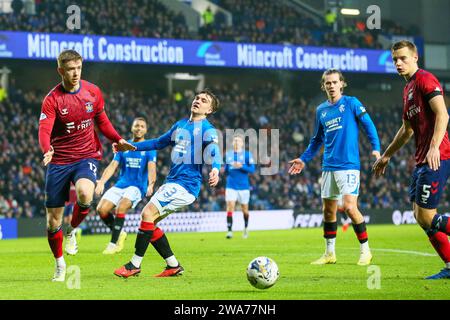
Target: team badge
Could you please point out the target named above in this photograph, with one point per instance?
(89, 107)
(341, 108)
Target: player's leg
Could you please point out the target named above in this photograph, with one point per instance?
(426, 190)
(104, 209)
(230, 198)
(145, 232)
(57, 184)
(330, 195)
(244, 198)
(359, 226)
(119, 236)
(55, 240)
(346, 221)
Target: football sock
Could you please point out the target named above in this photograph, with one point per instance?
(441, 223)
(60, 262)
(118, 225)
(108, 219)
(439, 240)
(143, 238)
(55, 240)
(80, 211)
(361, 232)
(329, 233)
(136, 261)
(229, 220)
(246, 220)
(162, 246)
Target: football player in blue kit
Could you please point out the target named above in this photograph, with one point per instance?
(239, 163)
(136, 180)
(195, 142)
(336, 127)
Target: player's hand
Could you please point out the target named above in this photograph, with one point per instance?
(297, 165)
(214, 177)
(376, 154)
(48, 156)
(149, 191)
(237, 165)
(99, 188)
(433, 158)
(380, 166)
(122, 146)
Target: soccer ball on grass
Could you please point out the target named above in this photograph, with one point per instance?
(262, 272)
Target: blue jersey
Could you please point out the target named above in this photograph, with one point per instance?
(237, 179)
(134, 169)
(194, 144)
(337, 128)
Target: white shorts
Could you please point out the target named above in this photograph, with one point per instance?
(171, 197)
(241, 196)
(336, 184)
(115, 194)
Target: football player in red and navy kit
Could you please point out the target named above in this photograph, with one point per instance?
(71, 150)
(426, 117)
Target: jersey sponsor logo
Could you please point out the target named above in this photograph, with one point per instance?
(89, 107)
(413, 110)
(42, 117)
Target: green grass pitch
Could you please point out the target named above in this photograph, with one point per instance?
(215, 268)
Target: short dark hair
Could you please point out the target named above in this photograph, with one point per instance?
(329, 72)
(68, 55)
(215, 102)
(404, 44)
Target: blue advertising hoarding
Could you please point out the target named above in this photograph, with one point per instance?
(8, 228)
(46, 46)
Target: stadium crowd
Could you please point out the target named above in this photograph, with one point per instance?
(259, 21)
(22, 174)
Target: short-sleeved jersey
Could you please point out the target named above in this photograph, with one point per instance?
(337, 128)
(238, 179)
(134, 169)
(73, 135)
(194, 144)
(419, 90)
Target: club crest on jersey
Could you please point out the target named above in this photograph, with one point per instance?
(341, 108)
(89, 107)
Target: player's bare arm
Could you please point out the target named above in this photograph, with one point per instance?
(107, 174)
(151, 178)
(297, 165)
(433, 157)
(214, 177)
(401, 138)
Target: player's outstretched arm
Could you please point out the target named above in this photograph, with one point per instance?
(297, 165)
(107, 174)
(122, 145)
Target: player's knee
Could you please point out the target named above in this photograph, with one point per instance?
(102, 211)
(329, 215)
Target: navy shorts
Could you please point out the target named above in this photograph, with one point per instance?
(59, 177)
(427, 185)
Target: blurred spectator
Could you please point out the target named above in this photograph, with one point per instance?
(17, 7)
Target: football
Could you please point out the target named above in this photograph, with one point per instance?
(262, 272)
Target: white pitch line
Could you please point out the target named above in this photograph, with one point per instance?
(418, 253)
